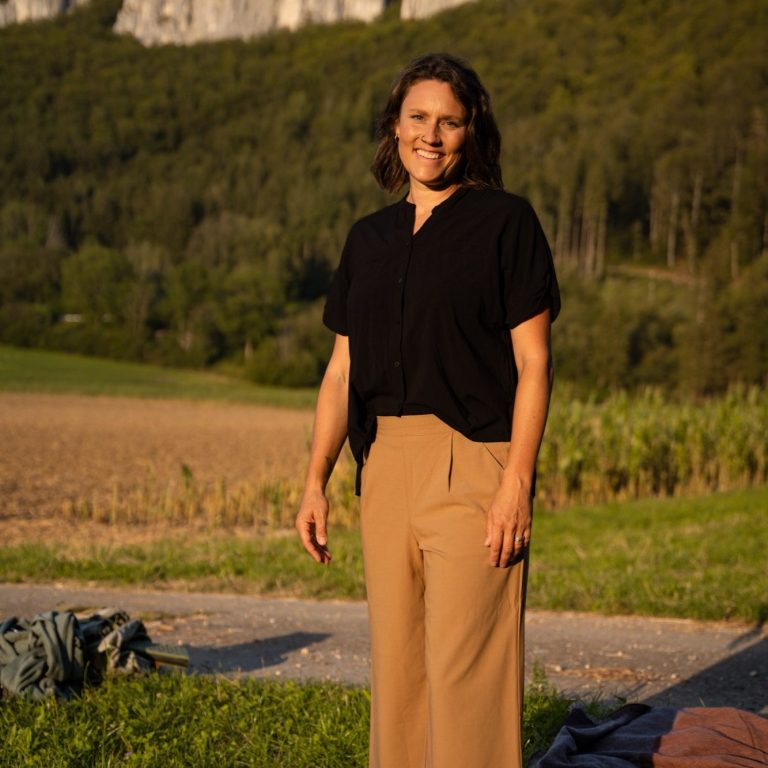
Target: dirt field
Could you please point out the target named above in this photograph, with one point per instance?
(55, 448)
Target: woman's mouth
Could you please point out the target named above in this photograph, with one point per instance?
(428, 155)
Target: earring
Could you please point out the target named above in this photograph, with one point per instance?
(397, 138)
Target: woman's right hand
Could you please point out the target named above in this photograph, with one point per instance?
(328, 436)
(312, 525)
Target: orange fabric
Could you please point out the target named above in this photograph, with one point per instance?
(446, 627)
(713, 737)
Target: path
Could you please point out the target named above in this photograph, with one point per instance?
(658, 661)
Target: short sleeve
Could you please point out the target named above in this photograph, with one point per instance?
(528, 271)
(335, 310)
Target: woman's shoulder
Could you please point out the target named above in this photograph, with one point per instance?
(382, 218)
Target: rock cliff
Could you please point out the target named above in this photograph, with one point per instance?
(190, 21)
(17, 11)
(420, 9)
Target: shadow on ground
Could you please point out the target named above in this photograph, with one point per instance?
(253, 656)
(740, 680)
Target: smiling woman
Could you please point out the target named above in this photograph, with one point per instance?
(440, 377)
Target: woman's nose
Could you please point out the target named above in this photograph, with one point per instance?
(431, 134)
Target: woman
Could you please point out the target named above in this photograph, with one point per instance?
(440, 376)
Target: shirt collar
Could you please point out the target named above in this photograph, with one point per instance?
(406, 211)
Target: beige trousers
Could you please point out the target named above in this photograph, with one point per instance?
(446, 627)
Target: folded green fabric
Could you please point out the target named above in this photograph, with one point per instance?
(50, 654)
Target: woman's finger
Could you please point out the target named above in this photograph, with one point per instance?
(507, 548)
(496, 544)
(321, 529)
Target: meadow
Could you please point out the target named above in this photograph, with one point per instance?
(202, 721)
(32, 370)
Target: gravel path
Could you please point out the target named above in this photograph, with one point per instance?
(658, 661)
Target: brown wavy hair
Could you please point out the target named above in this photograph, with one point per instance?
(480, 157)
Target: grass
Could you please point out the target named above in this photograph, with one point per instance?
(214, 562)
(32, 370)
(701, 558)
(170, 720)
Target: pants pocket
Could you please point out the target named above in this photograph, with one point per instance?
(499, 450)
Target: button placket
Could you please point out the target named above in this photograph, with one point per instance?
(401, 273)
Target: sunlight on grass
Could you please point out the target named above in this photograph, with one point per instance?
(664, 557)
(32, 370)
(176, 721)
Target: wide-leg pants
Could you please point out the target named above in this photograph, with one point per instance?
(446, 627)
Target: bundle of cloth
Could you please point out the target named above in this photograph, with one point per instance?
(639, 736)
(53, 653)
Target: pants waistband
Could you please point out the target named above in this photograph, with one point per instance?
(411, 424)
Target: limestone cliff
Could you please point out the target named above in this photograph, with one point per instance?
(191, 21)
(419, 9)
(17, 11)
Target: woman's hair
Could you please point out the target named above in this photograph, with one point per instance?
(480, 154)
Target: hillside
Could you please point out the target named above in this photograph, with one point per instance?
(188, 205)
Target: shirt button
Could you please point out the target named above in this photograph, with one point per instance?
(397, 363)
(399, 279)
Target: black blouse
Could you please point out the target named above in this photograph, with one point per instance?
(428, 315)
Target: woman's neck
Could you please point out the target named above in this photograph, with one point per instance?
(425, 199)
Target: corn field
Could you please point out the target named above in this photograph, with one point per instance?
(635, 446)
(627, 447)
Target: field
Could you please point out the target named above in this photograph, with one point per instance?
(106, 441)
(193, 494)
(150, 458)
(34, 370)
(201, 491)
(92, 457)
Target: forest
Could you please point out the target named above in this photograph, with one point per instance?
(187, 205)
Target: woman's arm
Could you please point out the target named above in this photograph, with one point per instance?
(509, 516)
(328, 435)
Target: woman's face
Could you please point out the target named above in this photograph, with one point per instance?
(431, 130)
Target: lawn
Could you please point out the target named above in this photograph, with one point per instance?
(170, 720)
(32, 370)
(701, 558)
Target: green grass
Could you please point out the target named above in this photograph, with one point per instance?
(32, 370)
(170, 720)
(700, 558)
(217, 563)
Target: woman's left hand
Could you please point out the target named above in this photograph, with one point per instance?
(508, 525)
